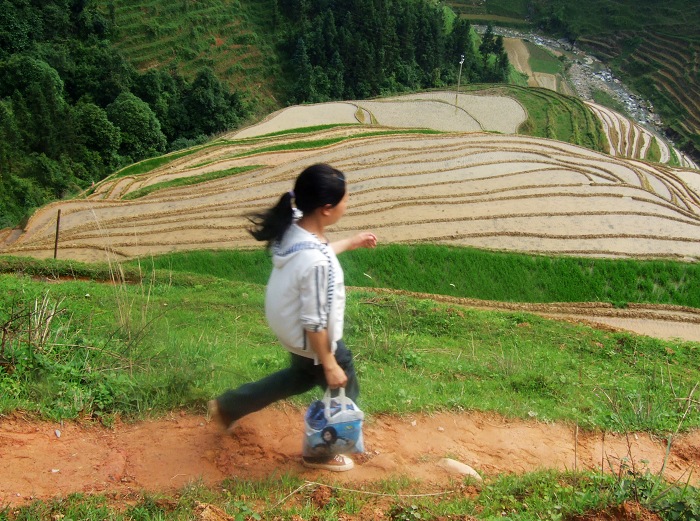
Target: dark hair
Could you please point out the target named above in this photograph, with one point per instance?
(317, 186)
(333, 432)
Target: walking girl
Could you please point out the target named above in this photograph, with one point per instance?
(304, 300)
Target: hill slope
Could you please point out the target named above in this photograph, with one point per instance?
(499, 192)
(232, 38)
(653, 46)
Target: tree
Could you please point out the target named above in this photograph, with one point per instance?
(487, 41)
(460, 40)
(335, 77)
(210, 106)
(11, 147)
(302, 89)
(36, 91)
(19, 22)
(141, 136)
(97, 71)
(97, 133)
(164, 91)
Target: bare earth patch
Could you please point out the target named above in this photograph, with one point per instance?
(38, 464)
(519, 56)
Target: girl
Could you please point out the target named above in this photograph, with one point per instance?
(304, 300)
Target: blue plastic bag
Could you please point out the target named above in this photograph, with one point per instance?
(333, 425)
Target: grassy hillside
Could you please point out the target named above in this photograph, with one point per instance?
(555, 116)
(228, 36)
(504, 12)
(171, 331)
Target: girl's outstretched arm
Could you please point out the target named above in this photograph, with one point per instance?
(361, 240)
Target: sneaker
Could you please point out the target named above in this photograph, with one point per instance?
(337, 463)
(215, 414)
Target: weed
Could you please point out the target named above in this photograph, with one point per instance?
(401, 512)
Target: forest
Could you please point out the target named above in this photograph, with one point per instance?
(73, 109)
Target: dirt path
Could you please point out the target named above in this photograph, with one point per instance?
(43, 460)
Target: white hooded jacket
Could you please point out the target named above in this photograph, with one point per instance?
(305, 292)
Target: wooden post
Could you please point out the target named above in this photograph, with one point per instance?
(58, 225)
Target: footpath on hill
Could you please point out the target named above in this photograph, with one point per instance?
(42, 460)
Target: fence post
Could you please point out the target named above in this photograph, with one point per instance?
(58, 225)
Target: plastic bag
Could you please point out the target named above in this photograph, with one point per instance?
(333, 425)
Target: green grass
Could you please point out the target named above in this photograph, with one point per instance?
(471, 273)
(172, 338)
(553, 115)
(147, 165)
(141, 346)
(188, 181)
(542, 60)
(539, 495)
(654, 152)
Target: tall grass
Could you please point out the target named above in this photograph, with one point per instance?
(471, 273)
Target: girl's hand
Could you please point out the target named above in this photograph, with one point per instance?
(360, 240)
(335, 376)
(365, 240)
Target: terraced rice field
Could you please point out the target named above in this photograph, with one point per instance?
(670, 63)
(493, 191)
(629, 139)
(625, 137)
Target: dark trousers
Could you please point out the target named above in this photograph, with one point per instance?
(301, 376)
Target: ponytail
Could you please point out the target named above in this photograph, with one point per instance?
(271, 224)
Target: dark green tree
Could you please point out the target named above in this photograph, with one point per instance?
(19, 22)
(141, 136)
(488, 41)
(302, 89)
(11, 146)
(96, 133)
(210, 106)
(335, 77)
(36, 90)
(164, 91)
(95, 71)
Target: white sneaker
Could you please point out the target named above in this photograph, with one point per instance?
(337, 463)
